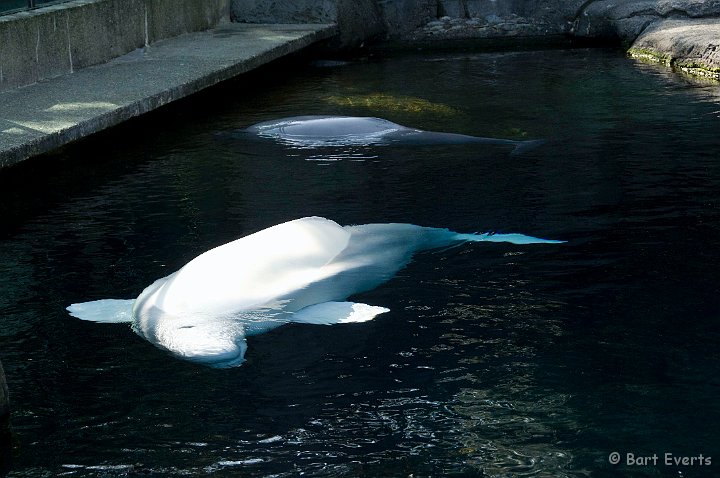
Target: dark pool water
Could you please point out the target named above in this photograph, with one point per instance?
(496, 360)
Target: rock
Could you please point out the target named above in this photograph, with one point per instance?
(402, 17)
(682, 33)
(488, 19)
(688, 8)
(690, 45)
(482, 8)
(358, 21)
(626, 20)
(615, 20)
(453, 8)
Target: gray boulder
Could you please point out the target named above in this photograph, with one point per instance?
(689, 45)
(615, 19)
(626, 20)
(559, 11)
(683, 34)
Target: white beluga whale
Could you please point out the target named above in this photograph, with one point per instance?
(298, 271)
(333, 131)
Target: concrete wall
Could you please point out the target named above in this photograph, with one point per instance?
(358, 20)
(59, 39)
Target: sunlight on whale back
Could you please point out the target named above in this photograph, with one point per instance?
(319, 127)
(252, 270)
(318, 131)
(299, 271)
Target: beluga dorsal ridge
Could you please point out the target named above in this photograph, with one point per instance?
(298, 271)
(334, 131)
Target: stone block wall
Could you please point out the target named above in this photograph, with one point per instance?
(358, 20)
(58, 39)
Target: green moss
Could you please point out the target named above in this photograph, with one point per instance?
(517, 133)
(651, 56)
(688, 66)
(698, 69)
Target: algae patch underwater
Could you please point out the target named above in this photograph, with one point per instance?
(391, 103)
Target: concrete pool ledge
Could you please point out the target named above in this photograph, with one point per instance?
(38, 118)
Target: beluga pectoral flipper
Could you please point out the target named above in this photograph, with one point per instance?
(298, 271)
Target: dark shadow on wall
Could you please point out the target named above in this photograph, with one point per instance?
(358, 20)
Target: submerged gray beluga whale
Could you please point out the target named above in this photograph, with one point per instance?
(298, 271)
(333, 131)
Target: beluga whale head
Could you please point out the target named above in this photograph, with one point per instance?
(300, 271)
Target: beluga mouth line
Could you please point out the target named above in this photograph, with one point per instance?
(309, 132)
(299, 271)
